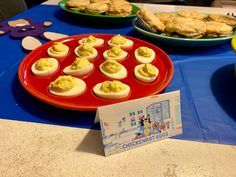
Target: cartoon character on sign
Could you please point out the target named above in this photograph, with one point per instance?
(156, 127)
(145, 125)
(27, 30)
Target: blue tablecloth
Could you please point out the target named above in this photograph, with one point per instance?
(205, 77)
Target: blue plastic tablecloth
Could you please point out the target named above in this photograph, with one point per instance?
(205, 77)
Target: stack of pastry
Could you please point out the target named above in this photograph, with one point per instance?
(189, 23)
(108, 7)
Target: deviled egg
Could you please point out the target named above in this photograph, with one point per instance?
(121, 41)
(144, 54)
(111, 90)
(86, 51)
(57, 50)
(146, 72)
(115, 53)
(93, 41)
(113, 69)
(67, 86)
(44, 66)
(80, 67)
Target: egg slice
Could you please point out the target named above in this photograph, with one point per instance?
(80, 67)
(144, 54)
(113, 69)
(115, 53)
(146, 72)
(93, 41)
(67, 86)
(111, 90)
(86, 51)
(57, 50)
(45, 66)
(121, 41)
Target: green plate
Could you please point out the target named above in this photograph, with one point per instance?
(100, 17)
(184, 42)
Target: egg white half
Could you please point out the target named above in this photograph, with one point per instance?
(142, 59)
(118, 58)
(58, 54)
(97, 43)
(119, 75)
(90, 57)
(129, 43)
(143, 78)
(47, 72)
(112, 96)
(78, 89)
(78, 72)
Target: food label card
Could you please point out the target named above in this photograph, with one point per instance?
(134, 123)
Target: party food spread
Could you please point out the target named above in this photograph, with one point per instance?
(187, 23)
(108, 7)
(91, 75)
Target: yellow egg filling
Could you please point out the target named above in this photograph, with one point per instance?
(85, 50)
(148, 70)
(115, 51)
(58, 47)
(62, 84)
(90, 39)
(112, 87)
(80, 63)
(111, 66)
(43, 64)
(118, 40)
(144, 51)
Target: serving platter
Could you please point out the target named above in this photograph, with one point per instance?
(38, 86)
(100, 17)
(179, 41)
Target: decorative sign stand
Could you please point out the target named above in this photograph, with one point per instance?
(130, 124)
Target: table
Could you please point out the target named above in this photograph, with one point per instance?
(35, 142)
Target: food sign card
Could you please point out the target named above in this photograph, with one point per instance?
(134, 123)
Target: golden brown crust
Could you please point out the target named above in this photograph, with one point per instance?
(187, 27)
(192, 14)
(77, 4)
(96, 8)
(165, 16)
(152, 20)
(216, 29)
(229, 20)
(119, 8)
(100, 1)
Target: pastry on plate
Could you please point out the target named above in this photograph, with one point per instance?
(192, 14)
(119, 8)
(96, 8)
(77, 4)
(100, 1)
(165, 16)
(153, 21)
(227, 19)
(218, 29)
(187, 27)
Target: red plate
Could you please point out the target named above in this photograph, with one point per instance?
(38, 86)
